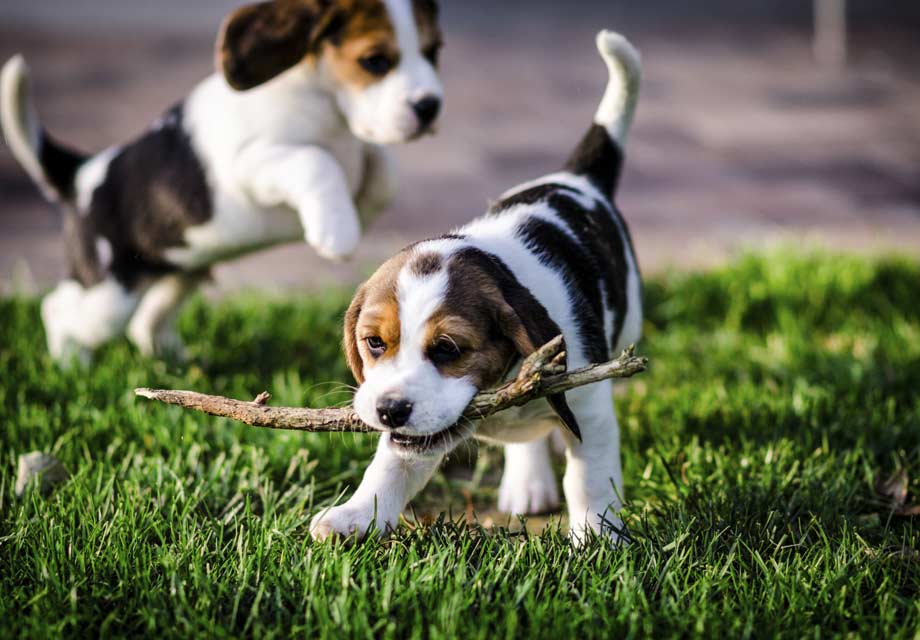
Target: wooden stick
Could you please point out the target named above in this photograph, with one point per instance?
(542, 374)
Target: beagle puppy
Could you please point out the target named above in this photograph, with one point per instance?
(448, 317)
(283, 142)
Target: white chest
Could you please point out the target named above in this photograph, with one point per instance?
(224, 126)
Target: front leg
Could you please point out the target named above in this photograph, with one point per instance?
(309, 180)
(593, 481)
(388, 484)
(380, 183)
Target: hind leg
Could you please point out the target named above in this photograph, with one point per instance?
(79, 320)
(152, 327)
(593, 481)
(528, 484)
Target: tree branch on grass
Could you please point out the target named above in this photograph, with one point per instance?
(542, 374)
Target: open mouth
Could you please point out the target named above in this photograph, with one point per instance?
(430, 441)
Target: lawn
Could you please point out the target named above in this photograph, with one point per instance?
(782, 389)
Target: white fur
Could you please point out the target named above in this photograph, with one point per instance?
(20, 122)
(103, 252)
(528, 484)
(618, 105)
(90, 175)
(78, 320)
(401, 479)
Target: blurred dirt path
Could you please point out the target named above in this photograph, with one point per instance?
(741, 141)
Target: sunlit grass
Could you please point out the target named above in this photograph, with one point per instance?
(781, 388)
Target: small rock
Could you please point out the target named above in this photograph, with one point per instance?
(48, 468)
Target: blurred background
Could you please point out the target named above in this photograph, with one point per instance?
(758, 124)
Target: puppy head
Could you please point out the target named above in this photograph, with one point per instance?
(427, 332)
(378, 57)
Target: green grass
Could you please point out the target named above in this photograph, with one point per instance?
(781, 388)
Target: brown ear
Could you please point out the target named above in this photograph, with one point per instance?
(350, 338)
(259, 41)
(527, 324)
(523, 320)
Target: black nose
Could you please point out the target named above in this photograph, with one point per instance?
(394, 411)
(427, 109)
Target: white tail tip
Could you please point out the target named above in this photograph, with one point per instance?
(20, 121)
(618, 105)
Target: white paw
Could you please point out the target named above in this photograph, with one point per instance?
(345, 521)
(57, 311)
(335, 235)
(585, 526)
(528, 495)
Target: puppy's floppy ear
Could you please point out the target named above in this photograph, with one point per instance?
(527, 324)
(350, 338)
(523, 320)
(259, 41)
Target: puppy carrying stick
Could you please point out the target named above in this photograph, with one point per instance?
(448, 317)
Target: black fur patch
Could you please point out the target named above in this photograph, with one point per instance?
(599, 158)
(558, 251)
(533, 195)
(154, 190)
(603, 243)
(596, 261)
(60, 164)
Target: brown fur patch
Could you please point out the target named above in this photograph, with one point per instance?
(363, 29)
(374, 311)
(485, 354)
(492, 316)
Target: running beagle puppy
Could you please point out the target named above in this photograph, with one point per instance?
(283, 142)
(448, 317)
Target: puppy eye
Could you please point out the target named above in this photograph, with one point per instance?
(433, 54)
(377, 64)
(376, 346)
(444, 351)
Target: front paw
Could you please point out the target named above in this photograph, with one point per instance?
(336, 235)
(346, 521)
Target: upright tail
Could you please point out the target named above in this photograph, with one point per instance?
(599, 155)
(51, 166)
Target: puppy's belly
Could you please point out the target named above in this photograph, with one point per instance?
(520, 424)
(235, 229)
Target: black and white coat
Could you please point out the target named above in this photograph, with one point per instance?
(553, 255)
(297, 154)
